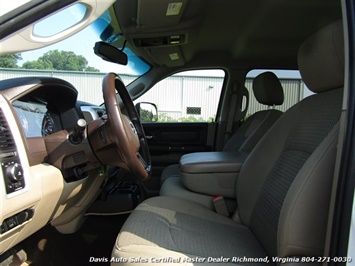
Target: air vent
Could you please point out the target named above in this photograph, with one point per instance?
(100, 112)
(7, 143)
(9, 160)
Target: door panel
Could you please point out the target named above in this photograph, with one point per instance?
(187, 103)
(169, 141)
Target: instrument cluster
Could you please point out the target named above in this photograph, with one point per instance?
(35, 118)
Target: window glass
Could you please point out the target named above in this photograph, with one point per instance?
(292, 84)
(73, 59)
(190, 96)
(68, 17)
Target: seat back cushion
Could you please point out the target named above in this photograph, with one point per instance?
(267, 90)
(251, 131)
(285, 199)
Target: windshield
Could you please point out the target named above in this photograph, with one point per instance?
(82, 43)
(75, 54)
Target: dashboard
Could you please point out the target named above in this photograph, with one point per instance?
(43, 175)
(43, 105)
(47, 111)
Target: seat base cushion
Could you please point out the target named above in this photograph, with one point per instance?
(173, 187)
(170, 171)
(167, 227)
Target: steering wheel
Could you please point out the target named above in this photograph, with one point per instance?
(126, 132)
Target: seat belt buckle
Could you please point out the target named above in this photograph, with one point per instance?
(220, 205)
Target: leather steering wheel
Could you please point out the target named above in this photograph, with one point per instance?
(126, 132)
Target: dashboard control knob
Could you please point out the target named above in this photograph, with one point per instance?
(14, 172)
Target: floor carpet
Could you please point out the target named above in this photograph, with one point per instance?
(95, 239)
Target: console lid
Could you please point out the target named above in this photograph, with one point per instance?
(212, 173)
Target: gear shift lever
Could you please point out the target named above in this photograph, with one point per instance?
(77, 135)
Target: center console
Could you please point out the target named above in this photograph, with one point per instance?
(212, 173)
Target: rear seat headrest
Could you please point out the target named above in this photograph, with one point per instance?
(321, 59)
(267, 89)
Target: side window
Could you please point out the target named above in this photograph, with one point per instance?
(190, 96)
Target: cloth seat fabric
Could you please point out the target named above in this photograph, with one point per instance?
(283, 189)
(267, 91)
(172, 232)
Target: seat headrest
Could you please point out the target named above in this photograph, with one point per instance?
(268, 89)
(321, 59)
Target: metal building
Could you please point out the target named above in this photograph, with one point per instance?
(87, 83)
(193, 96)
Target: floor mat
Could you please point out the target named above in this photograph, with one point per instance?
(92, 243)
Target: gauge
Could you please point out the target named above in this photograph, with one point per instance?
(47, 125)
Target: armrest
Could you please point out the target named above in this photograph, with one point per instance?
(212, 162)
(212, 173)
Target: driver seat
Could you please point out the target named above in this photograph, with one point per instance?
(283, 189)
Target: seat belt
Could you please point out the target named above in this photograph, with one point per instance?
(232, 111)
(237, 93)
(220, 205)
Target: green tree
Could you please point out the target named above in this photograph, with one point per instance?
(91, 69)
(65, 60)
(146, 116)
(39, 64)
(192, 119)
(60, 60)
(10, 60)
(166, 118)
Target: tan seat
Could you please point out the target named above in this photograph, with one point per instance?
(283, 189)
(267, 91)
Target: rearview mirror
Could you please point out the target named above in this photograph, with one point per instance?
(148, 112)
(110, 53)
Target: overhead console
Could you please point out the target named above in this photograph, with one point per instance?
(164, 49)
(160, 29)
(161, 40)
(156, 14)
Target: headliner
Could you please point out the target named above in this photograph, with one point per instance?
(241, 34)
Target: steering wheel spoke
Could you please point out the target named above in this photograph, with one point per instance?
(127, 131)
(144, 163)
